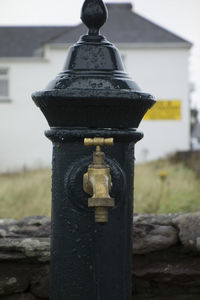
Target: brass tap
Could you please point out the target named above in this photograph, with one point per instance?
(97, 181)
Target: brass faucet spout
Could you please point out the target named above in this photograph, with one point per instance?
(97, 182)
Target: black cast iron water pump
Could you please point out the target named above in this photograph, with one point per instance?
(92, 102)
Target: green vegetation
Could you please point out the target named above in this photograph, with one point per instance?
(26, 193)
(160, 187)
(163, 187)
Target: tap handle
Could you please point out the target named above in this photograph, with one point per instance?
(97, 141)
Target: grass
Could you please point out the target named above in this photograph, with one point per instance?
(26, 193)
(177, 191)
(160, 187)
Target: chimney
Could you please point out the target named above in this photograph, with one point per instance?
(120, 5)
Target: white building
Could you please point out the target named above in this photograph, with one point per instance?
(32, 56)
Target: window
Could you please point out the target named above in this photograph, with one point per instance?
(4, 85)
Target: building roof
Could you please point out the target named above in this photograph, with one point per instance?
(23, 41)
(122, 26)
(125, 26)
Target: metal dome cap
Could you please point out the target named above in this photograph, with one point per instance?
(93, 89)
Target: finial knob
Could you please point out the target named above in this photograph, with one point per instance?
(94, 15)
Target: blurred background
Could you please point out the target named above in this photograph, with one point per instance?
(159, 42)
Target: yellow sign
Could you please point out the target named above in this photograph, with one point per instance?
(165, 110)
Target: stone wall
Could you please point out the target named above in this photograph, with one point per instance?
(166, 258)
